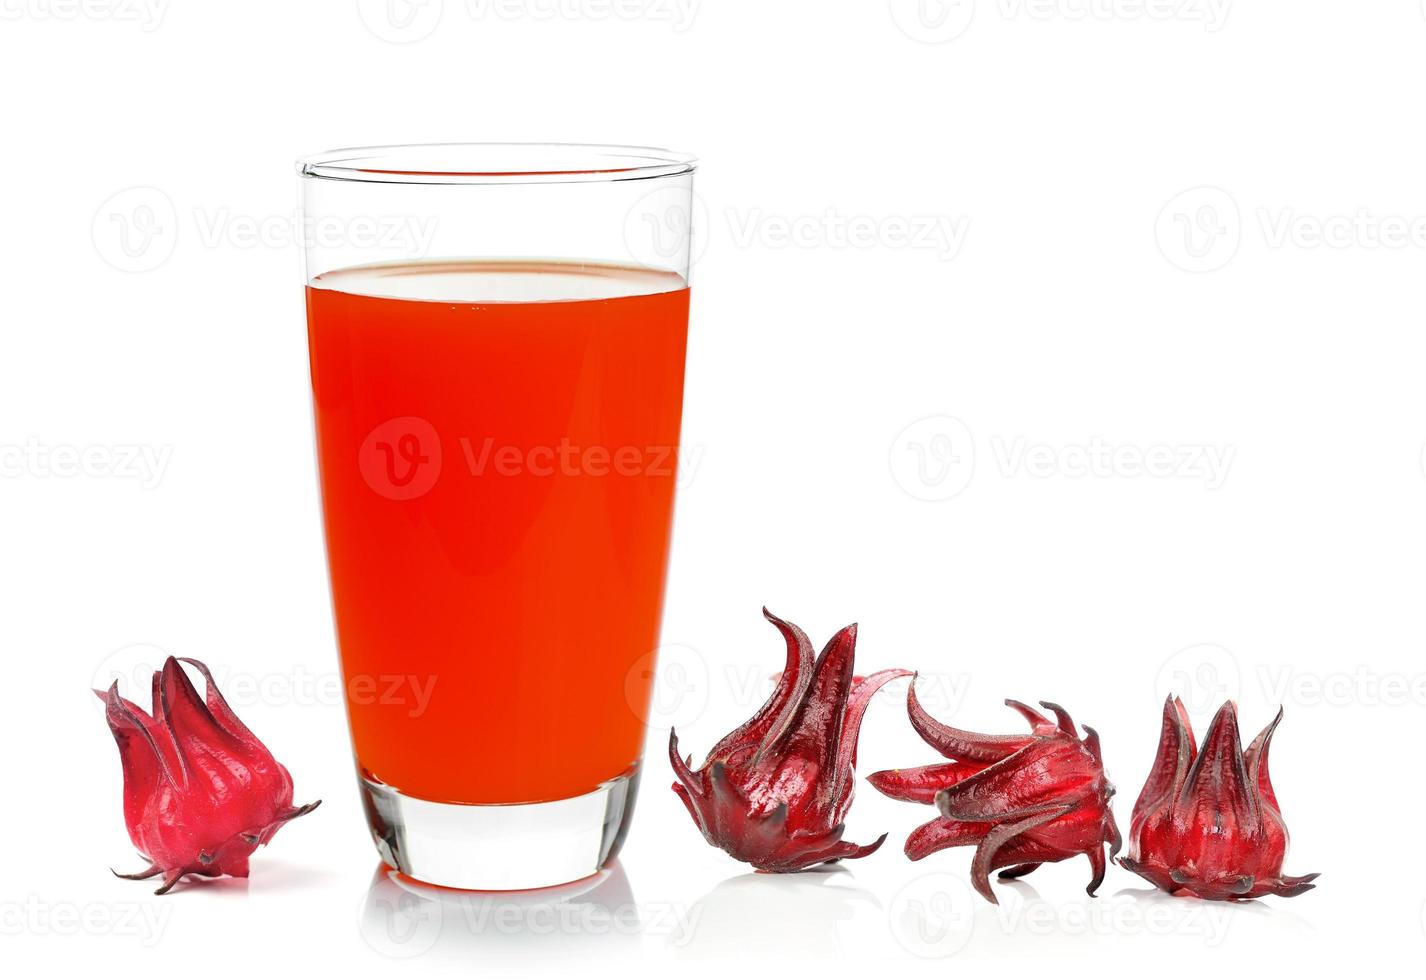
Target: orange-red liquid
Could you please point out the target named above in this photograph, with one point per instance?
(496, 444)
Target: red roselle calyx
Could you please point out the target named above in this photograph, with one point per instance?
(201, 793)
(1023, 800)
(1207, 822)
(775, 791)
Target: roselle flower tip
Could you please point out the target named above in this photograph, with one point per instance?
(201, 793)
(1207, 822)
(775, 791)
(1022, 800)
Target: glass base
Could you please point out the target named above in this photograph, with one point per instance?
(500, 847)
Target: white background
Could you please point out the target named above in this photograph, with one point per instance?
(1152, 384)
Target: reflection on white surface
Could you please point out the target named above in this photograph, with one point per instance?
(794, 915)
(816, 916)
(404, 919)
(1275, 915)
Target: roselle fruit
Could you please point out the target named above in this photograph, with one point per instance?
(1023, 800)
(201, 793)
(1207, 822)
(775, 791)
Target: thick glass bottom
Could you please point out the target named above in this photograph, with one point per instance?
(502, 847)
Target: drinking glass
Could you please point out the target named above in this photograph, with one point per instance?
(497, 337)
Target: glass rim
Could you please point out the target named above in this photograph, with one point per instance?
(495, 163)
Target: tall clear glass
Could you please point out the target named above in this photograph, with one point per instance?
(497, 337)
